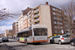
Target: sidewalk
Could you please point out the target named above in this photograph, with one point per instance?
(3, 47)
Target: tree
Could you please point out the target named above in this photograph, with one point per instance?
(7, 34)
(4, 15)
(11, 33)
(69, 10)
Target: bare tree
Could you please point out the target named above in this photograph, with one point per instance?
(69, 10)
(4, 15)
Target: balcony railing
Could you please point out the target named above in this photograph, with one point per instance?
(29, 16)
(36, 11)
(29, 19)
(37, 15)
(36, 7)
(29, 12)
(37, 20)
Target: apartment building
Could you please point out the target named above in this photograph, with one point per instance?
(48, 15)
(67, 23)
(22, 20)
(6, 33)
(2, 35)
(15, 28)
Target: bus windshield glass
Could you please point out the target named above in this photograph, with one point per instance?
(40, 31)
(25, 34)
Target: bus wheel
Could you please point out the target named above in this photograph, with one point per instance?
(26, 41)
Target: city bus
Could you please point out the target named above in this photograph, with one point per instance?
(33, 34)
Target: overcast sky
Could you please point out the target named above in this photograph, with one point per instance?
(18, 5)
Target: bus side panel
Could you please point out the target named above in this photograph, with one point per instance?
(40, 39)
(30, 39)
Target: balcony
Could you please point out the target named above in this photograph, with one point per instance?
(29, 16)
(37, 20)
(29, 12)
(36, 7)
(29, 19)
(36, 16)
(30, 23)
(36, 11)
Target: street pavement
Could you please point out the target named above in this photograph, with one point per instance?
(14, 45)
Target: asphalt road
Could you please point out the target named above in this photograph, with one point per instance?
(14, 45)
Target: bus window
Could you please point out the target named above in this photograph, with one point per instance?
(44, 31)
(26, 34)
(40, 31)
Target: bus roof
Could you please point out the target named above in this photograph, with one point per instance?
(39, 26)
(33, 26)
(27, 29)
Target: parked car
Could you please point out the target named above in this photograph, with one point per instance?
(5, 39)
(0, 39)
(60, 39)
(72, 42)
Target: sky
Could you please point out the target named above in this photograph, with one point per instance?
(16, 6)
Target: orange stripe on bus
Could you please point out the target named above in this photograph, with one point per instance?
(17, 40)
(36, 41)
(22, 41)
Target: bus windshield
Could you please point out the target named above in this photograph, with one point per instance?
(25, 34)
(40, 31)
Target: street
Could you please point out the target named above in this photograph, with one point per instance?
(14, 45)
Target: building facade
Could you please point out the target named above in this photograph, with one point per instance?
(6, 33)
(2, 35)
(23, 20)
(67, 24)
(47, 15)
(15, 28)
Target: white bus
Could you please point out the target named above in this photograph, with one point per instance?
(33, 34)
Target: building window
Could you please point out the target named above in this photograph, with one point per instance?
(32, 19)
(54, 17)
(54, 13)
(60, 15)
(59, 31)
(55, 26)
(55, 31)
(55, 22)
(32, 15)
(60, 18)
(60, 23)
(53, 9)
(61, 27)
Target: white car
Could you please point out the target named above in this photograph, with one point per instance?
(0, 39)
(60, 39)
